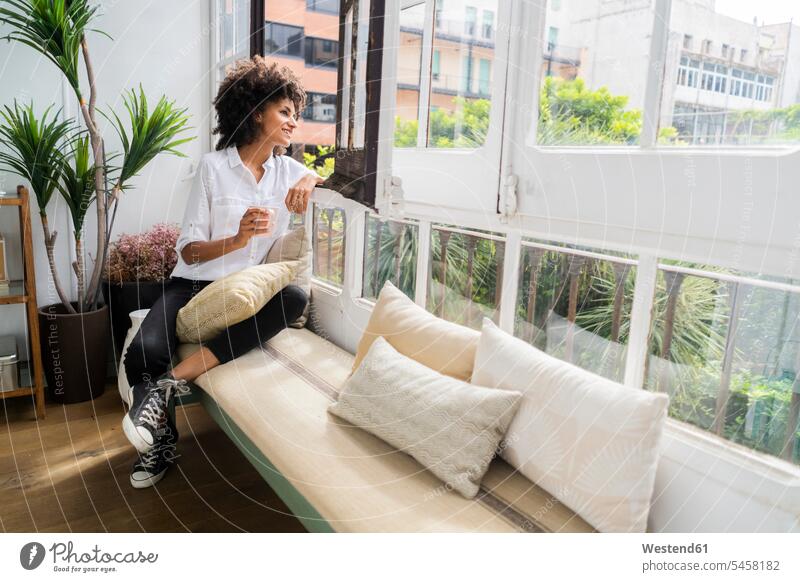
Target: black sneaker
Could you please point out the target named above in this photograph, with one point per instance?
(153, 465)
(146, 420)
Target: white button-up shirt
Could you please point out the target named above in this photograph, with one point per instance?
(222, 191)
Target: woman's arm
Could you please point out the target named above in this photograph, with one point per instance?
(298, 195)
(255, 221)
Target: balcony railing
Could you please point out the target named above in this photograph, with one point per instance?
(328, 241)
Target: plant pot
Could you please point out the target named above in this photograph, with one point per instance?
(124, 298)
(74, 352)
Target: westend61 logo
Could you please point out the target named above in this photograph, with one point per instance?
(66, 559)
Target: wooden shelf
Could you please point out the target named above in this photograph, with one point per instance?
(10, 201)
(24, 291)
(15, 294)
(26, 387)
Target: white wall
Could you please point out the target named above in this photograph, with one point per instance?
(165, 47)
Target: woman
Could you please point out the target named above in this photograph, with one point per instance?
(226, 228)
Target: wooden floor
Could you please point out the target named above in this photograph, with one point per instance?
(69, 473)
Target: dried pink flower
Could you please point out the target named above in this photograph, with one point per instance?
(146, 256)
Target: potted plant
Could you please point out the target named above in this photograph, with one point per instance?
(137, 266)
(69, 158)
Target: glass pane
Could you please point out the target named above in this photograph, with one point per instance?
(330, 6)
(390, 255)
(594, 70)
(346, 113)
(320, 107)
(234, 28)
(328, 244)
(576, 308)
(461, 82)
(283, 39)
(409, 67)
(466, 276)
(727, 353)
(322, 52)
(362, 50)
(731, 77)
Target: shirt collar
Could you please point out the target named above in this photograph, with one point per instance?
(234, 159)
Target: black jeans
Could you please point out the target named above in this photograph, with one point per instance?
(150, 353)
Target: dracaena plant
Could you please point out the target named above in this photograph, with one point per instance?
(64, 156)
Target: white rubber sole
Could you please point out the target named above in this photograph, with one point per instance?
(133, 435)
(147, 482)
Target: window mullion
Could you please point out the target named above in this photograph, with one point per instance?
(423, 262)
(425, 74)
(508, 296)
(655, 73)
(641, 317)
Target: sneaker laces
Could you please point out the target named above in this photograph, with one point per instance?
(154, 411)
(180, 387)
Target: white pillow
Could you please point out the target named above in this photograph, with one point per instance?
(451, 427)
(590, 442)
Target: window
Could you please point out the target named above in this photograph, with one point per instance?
(687, 42)
(466, 74)
(470, 18)
(707, 46)
(320, 107)
(725, 49)
(484, 77)
(552, 38)
(328, 240)
(487, 30)
(282, 39)
(390, 254)
(575, 304)
(321, 52)
(435, 66)
(409, 72)
(330, 6)
(466, 275)
(743, 55)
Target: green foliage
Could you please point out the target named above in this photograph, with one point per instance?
(77, 185)
(150, 133)
(464, 127)
(393, 259)
(570, 113)
(324, 170)
(53, 28)
(35, 148)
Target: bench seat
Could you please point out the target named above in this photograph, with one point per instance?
(336, 477)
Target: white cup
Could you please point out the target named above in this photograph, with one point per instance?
(272, 211)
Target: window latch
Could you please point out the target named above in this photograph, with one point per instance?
(394, 188)
(508, 197)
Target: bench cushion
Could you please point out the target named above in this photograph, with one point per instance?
(279, 395)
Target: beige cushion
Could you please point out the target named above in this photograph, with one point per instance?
(451, 427)
(591, 442)
(295, 245)
(279, 397)
(232, 299)
(443, 346)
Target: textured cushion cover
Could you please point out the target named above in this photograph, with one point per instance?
(451, 427)
(446, 347)
(232, 299)
(591, 442)
(295, 245)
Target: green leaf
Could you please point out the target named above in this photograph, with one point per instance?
(150, 133)
(35, 148)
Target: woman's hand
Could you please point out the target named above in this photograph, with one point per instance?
(297, 198)
(255, 221)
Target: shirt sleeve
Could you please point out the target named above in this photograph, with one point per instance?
(196, 224)
(297, 170)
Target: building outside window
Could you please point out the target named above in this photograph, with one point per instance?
(552, 38)
(470, 20)
(321, 52)
(282, 39)
(707, 46)
(687, 42)
(330, 6)
(436, 65)
(487, 30)
(484, 75)
(320, 107)
(725, 49)
(743, 55)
